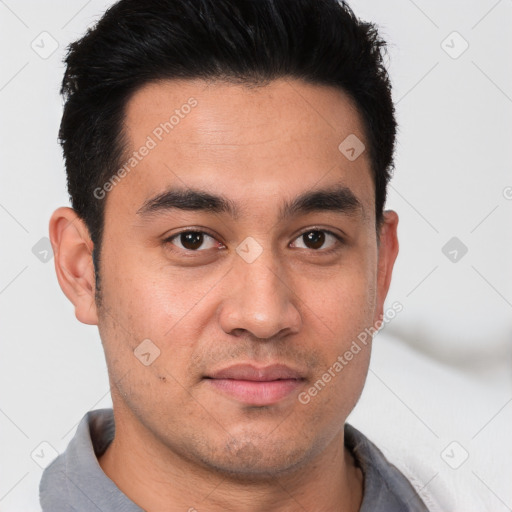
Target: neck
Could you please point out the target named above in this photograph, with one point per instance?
(156, 478)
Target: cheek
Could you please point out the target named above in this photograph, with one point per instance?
(343, 302)
(340, 314)
(152, 297)
(143, 301)
(146, 344)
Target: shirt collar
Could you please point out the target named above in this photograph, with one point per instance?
(75, 479)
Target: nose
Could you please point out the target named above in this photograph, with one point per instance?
(259, 300)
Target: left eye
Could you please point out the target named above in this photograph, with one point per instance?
(316, 238)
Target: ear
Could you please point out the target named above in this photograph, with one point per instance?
(72, 249)
(387, 253)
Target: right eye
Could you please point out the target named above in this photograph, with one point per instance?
(190, 240)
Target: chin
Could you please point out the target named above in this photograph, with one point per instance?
(257, 459)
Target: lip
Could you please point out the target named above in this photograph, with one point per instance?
(254, 385)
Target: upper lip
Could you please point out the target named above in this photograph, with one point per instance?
(254, 373)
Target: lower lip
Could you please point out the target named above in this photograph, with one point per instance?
(256, 392)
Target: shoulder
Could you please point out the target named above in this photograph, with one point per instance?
(68, 480)
(386, 488)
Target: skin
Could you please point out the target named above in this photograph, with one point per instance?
(180, 443)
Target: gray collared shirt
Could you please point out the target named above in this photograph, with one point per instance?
(74, 481)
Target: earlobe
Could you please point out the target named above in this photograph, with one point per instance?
(72, 248)
(388, 251)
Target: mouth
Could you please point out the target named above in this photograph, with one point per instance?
(253, 385)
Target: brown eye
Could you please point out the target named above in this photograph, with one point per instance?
(315, 238)
(191, 240)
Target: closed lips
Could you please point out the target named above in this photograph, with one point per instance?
(253, 373)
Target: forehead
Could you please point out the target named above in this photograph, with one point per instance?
(244, 142)
(240, 111)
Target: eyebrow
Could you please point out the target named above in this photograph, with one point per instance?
(339, 199)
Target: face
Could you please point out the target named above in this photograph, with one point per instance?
(248, 296)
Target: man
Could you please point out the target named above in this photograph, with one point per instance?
(227, 165)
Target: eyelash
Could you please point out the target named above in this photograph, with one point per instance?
(339, 239)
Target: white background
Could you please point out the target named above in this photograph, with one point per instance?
(441, 369)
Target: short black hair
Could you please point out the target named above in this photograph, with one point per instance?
(251, 42)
